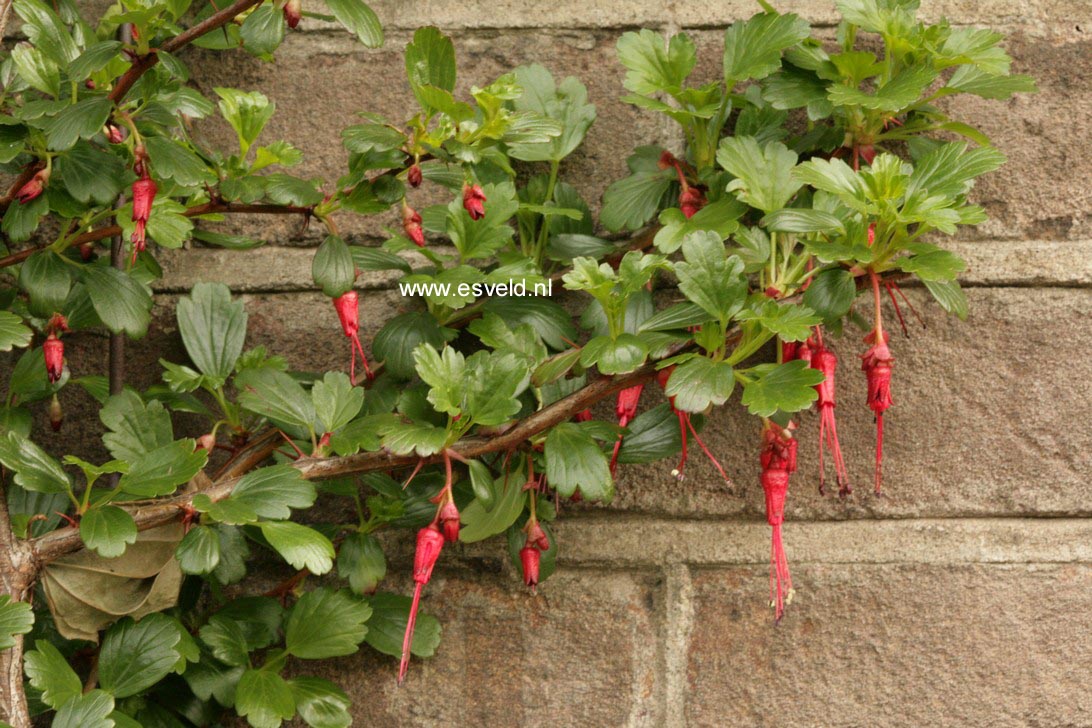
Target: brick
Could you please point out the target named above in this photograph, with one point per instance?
(893, 645)
(578, 654)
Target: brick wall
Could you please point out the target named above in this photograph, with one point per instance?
(963, 597)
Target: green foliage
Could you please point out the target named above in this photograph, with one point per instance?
(764, 228)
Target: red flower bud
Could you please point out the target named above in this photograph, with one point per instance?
(56, 414)
(33, 188)
(535, 535)
(293, 11)
(529, 556)
(429, 544)
(144, 190)
(86, 251)
(114, 133)
(449, 521)
(53, 349)
(411, 223)
(346, 306)
(583, 416)
(691, 200)
(474, 201)
(871, 234)
(667, 159)
(414, 176)
(628, 399)
(867, 152)
(206, 442)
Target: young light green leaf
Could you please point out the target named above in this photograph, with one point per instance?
(15, 618)
(787, 387)
(300, 546)
(49, 672)
(763, 173)
(710, 278)
(336, 400)
(654, 65)
(752, 48)
(13, 332)
(107, 530)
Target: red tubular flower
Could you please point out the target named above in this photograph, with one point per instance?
(144, 190)
(411, 223)
(685, 425)
(430, 542)
(789, 349)
(33, 188)
(826, 362)
(56, 414)
(346, 306)
(626, 410)
(877, 364)
(529, 557)
(778, 460)
(691, 200)
(583, 416)
(474, 201)
(53, 349)
(449, 521)
(414, 176)
(293, 11)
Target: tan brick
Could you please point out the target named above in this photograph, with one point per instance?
(893, 645)
(578, 654)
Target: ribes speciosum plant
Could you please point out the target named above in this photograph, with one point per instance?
(812, 171)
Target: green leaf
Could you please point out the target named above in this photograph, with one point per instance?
(971, 80)
(15, 618)
(264, 699)
(549, 319)
(831, 293)
(13, 332)
(135, 427)
(400, 336)
(789, 322)
(213, 328)
(617, 356)
(709, 278)
(361, 561)
(377, 259)
(481, 481)
(274, 490)
(275, 395)
(284, 189)
(263, 30)
(720, 217)
(326, 623)
(632, 201)
(387, 626)
(21, 220)
(175, 161)
(653, 65)
(699, 383)
(137, 655)
(95, 58)
(787, 387)
(680, 316)
(86, 711)
(834, 176)
(332, 267)
(300, 546)
(336, 400)
(800, 221)
(199, 551)
(903, 89)
(424, 440)
(361, 138)
(320, 703)
(358, 18)
(34, 67)
(226, 640)
(158, 472)
(107, 530)
(752, 48)
(950, 296)
(653, 435)
(479, 522)
(247, 112)
(930, 263)
(574, 460)
(81, 120)
(477, 239)
(123, 304)
(34, 469)
(259, 618)
(91, 175)
(763, 173)
(567, 103)
(49, 672)
(430, 61)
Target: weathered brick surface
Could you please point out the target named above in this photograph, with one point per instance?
(580, 654)
(894, 645)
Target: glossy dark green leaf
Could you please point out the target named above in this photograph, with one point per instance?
(361, 561)
(326, 623)
(213, 328)
(387, 626)
(107, 530)
(137, 655)
(123, 304)
(332, 267)
(831, 293)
